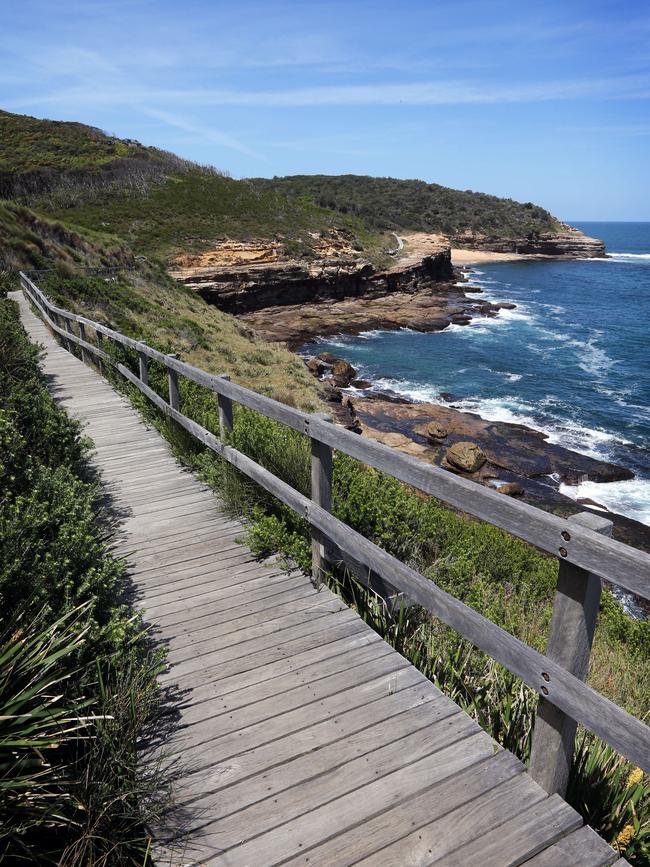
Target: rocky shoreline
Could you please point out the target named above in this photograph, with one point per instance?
(294, 302)
(514, 459)
(568, 244)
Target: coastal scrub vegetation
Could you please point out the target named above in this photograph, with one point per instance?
(78, 689)
(411, 205)
(154, 200)
(146, 304)
(162, 205)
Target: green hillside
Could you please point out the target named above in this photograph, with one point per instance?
(389, 203)
(28, 144)
(157, 202)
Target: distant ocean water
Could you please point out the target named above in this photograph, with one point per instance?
(573, 358)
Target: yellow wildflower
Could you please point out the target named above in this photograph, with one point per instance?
(624, 838)
(635, 777)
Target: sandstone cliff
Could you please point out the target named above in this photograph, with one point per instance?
(243, 277)
(569, 244)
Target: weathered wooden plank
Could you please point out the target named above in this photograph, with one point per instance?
(166, 577)
(432, 821)
(194, 498)
(172, 381)
(251, 620)
(232, 755)
(143, 366)
(301, 754)
(219, 622)
(210, 528)
(258, 589)
(197, 757)
(151, 495)
(203, 702)
(363, 803)
(257, 601)
(225, 414)
(191, 552)
(166, 520)
(518, 839)
(376, 754)
(281, 628)
(582, 848)
(190, 668)
(227, 554)
(256, 668)
(170, 564)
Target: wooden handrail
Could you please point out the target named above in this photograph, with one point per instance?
(614, 561)
(583, 551)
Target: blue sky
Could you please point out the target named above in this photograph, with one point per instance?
(548, 102)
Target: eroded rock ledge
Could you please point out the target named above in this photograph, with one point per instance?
(242, 288)
(568, 244)
(516, 460)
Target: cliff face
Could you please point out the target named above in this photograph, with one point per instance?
(245, 287)
(570, 244)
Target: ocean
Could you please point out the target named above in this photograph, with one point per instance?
(571, 360)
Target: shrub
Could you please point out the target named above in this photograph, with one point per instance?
(78, 689)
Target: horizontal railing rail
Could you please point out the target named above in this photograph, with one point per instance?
(582, 544)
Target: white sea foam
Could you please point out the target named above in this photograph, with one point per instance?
(631, 497)
(590, 441)
(593, 359)
(507, 409)
(368, 335)
(519, 314)
(616, 257)
(509, 377)
(623, 256)
(417, 392)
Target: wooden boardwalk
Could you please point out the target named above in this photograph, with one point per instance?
(304, 738)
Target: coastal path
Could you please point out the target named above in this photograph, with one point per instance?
(302, 737)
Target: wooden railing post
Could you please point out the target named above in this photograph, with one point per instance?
(321, 494)
(225, 413)
(575, 611)
(144, 367)
(68, 328)
(82, 335)
(172, 382)
(100, 345)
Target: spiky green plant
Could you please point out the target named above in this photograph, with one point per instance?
(613, 796)
(37, 720)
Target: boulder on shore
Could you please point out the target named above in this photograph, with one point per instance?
(343, 373)
(436, 431)
(464, 456)
(316, 366)
(512, 489)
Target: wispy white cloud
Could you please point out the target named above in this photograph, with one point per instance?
(615, 129)
(429, 93)
(205, 134)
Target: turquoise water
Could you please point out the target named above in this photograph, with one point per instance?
(571, 359)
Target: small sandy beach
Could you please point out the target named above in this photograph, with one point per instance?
(476, 257)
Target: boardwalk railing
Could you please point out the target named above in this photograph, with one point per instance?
(582, 544)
